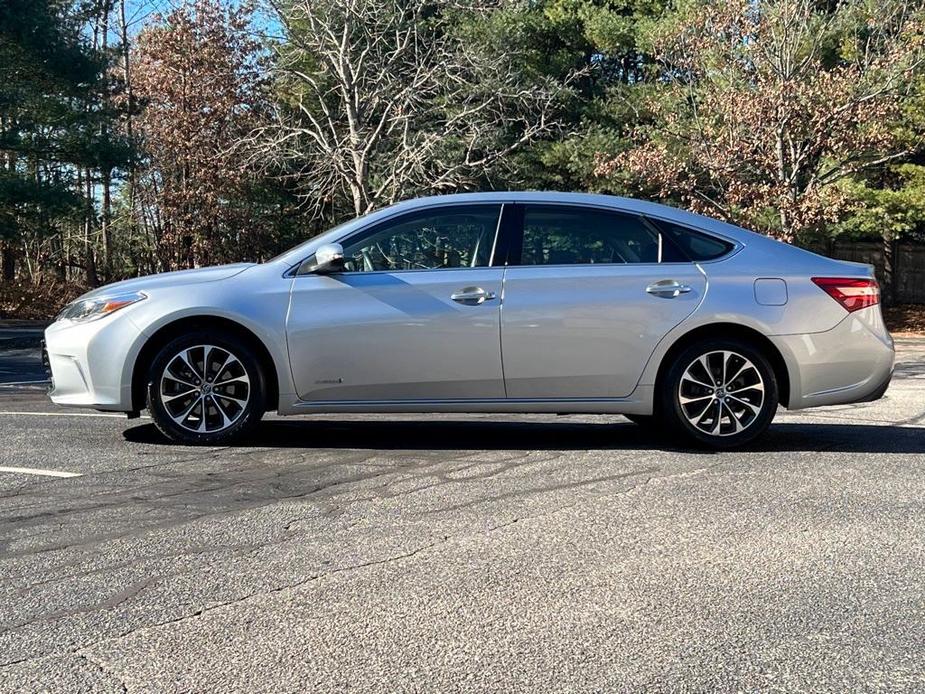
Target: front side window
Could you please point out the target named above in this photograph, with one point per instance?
(449, 237)
(559, 235)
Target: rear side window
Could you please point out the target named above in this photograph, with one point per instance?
(559, 235)
(695, 245)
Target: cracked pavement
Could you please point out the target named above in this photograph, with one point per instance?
(450, 553)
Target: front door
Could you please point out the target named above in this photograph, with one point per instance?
(415, 316)
(587, 297)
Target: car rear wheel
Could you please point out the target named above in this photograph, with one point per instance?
(206, 389)
(719, 392)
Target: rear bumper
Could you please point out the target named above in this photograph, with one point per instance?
(879, 391)
(852, 362)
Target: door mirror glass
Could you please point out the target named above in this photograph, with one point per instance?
(328, 258)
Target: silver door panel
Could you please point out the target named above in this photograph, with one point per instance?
(397, 336)
(588, 330)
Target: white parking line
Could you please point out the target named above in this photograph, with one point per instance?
(23, 383)
(35, 471)
(70, 414)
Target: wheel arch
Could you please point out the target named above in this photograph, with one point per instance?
(726, 330)
(178, 327)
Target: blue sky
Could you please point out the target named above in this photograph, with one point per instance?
(139, 12)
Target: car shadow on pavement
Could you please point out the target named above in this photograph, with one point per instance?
(455, 435)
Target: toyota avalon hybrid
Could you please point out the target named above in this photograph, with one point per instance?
(487, 302)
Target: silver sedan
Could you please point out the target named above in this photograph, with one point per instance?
(488, 302)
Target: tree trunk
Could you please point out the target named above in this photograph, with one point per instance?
(106, 170)
(9, 263)
(129, 106)
(888, 291)
(786, 229)
(356, 194)
(106, 220)
(89, 261)
(90, 276)
(57, 252)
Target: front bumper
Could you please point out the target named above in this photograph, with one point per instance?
(46, 366)
(852, 362)
(90, 364)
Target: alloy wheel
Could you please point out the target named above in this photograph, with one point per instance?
(205, 389)
(721, 393)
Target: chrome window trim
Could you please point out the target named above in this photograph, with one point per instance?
(685, 263)
(401, 272)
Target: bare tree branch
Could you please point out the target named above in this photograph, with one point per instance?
(385, 102)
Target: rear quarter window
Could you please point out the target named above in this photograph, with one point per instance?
(696, 245)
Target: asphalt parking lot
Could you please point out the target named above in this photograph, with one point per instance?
(457, 553)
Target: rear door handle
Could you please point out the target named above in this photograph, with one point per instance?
(668, 289)
(472, 296)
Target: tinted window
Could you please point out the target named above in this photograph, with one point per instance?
(693, 244)
(555, 235)
(448, 237)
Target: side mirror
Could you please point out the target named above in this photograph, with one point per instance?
(328, 258)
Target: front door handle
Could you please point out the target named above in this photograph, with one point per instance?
(668, 289)
(472, 296)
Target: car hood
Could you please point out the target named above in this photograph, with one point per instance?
(171, 279)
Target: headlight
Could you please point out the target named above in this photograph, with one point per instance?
(85, 310)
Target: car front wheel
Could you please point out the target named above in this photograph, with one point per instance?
(720, 392)
(206, 389)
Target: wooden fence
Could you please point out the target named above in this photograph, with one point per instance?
(908, 267)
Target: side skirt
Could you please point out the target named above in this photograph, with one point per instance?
(640, 402)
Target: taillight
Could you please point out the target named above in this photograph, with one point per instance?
(851, 293)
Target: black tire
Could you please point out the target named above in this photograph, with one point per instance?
(748, 401)
(231, 392)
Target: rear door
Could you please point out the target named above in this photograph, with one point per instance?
(588, 293)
